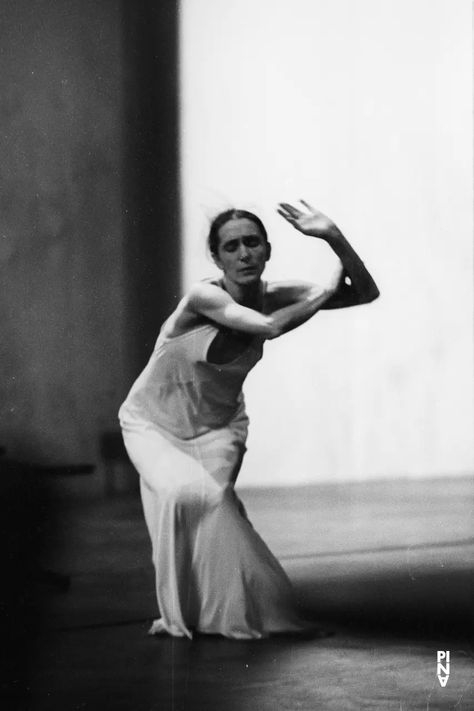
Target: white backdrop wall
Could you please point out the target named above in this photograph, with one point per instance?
(363, 108)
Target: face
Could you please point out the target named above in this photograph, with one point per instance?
(243, 251)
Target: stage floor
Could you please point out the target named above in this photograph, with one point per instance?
(387, 566)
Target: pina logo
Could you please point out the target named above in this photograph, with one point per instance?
(442, 667)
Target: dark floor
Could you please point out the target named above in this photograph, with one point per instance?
(387, 566)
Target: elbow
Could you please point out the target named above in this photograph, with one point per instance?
(371, 296)
(374, 294)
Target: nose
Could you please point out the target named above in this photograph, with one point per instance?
(243, 252)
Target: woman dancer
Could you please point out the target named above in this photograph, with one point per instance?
(185, 426)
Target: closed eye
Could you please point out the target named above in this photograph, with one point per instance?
(251, 241)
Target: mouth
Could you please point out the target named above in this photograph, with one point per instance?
(248, 270)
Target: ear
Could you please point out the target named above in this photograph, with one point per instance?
(269, 251)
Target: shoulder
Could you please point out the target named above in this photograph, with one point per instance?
(204, 293)
(189, 312)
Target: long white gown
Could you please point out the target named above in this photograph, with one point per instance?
(184, 426)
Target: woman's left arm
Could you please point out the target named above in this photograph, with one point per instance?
(356, 285)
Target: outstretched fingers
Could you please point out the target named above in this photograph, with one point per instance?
(308, 220)
(308, 206)
(286, 215)
(289, 209)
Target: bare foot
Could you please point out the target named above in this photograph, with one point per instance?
(157, 627)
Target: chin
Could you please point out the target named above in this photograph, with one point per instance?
(245, 279)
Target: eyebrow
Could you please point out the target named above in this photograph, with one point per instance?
(234, 240)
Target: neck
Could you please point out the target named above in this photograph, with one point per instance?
(245, 294)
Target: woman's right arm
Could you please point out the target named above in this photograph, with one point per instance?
(212, 302)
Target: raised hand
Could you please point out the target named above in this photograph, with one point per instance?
(309, 222)
(362, 288)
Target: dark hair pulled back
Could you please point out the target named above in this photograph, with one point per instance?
(232, 214)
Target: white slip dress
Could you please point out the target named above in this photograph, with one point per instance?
(184, 425)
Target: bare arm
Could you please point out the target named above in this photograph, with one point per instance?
(211, 301)
(362, 288)
(294, 303)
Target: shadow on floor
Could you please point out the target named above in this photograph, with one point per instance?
(431, 605)
(390, 609)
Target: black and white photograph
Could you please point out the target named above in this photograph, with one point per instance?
(237, 412)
